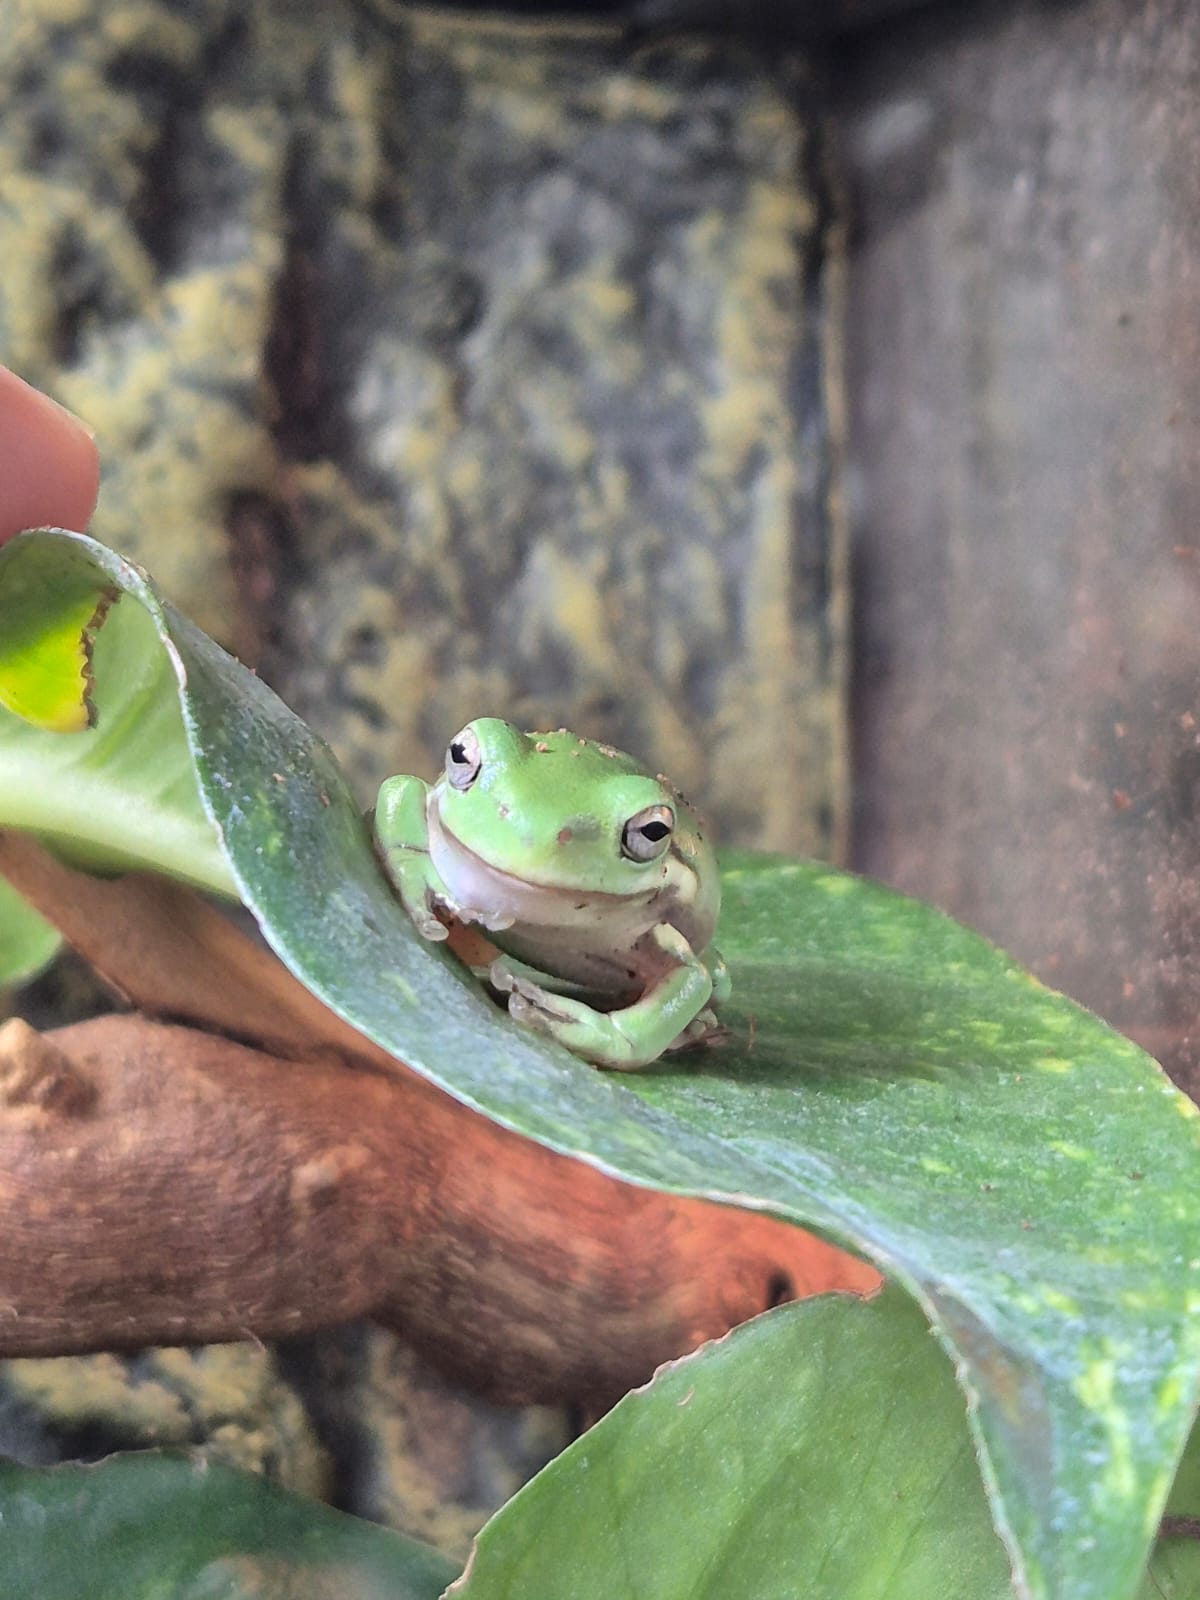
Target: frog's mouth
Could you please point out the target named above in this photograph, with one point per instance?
(497, 899)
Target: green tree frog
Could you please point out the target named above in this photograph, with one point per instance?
(592, 877)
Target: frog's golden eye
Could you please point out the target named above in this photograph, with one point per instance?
(646, 835)
(463, 759)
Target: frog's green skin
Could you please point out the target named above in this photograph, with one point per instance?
(592, 876)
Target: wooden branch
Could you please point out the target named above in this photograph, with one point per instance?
(163, 947)
(163, 1185)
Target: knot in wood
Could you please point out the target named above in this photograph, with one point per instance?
(35, 1072)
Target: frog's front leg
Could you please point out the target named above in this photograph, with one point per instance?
(626, 1039)
(402, 839)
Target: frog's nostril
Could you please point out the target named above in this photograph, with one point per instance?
(565, 835)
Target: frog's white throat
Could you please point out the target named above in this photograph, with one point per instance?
(482, 893)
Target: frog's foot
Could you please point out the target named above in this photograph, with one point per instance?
(527, 991)
(623, 1040)
(594, 1035)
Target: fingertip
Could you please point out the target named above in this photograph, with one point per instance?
(49, 467)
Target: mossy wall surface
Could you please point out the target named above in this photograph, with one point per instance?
(443, 366)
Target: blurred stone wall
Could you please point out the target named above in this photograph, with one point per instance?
(1024, 373)
(445, 366)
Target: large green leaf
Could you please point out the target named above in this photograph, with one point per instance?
(27, 942)
(819, 1451)
(158, 1526)
(892, 1079)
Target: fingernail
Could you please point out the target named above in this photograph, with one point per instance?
(76, 419)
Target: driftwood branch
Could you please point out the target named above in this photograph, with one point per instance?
(164, 1184)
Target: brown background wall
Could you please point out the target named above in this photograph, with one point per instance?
(1024, 373)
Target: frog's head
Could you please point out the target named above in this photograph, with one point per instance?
(554, 811)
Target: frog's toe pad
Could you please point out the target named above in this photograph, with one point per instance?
(501, 976)
(703, 1029)
(423, 909)
(528, 1002)
(534, 1007)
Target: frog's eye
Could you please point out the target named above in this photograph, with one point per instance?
(463, 759)
(647, 835)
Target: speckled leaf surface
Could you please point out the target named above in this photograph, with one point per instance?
(155, 1526)
(892, 1079)
(27, 942)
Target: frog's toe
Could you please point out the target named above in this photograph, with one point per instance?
(719, 972)
(534, 1007)
(425, 919)
(501, 976)
(703, 1029)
